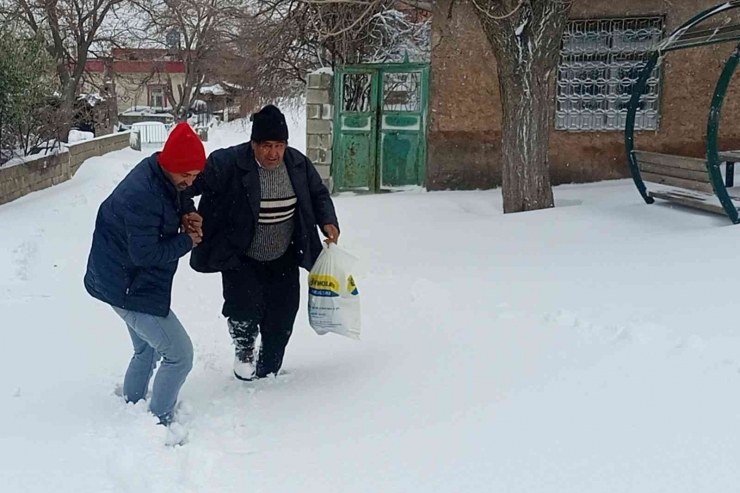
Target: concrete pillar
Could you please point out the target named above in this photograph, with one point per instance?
(319, 123)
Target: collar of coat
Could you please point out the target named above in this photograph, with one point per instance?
(246, 160)
(294, 164)
(160, 175)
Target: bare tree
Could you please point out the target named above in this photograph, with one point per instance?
(192, 30)
(399, 35)
(267, 47)
(304, 35)
(262, 74)
(70, 28)
(526, 37)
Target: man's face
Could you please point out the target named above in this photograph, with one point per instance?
(269, 153)
(183, 180)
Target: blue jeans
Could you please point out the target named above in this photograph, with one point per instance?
(154, 338)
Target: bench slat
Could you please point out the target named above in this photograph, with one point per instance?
(678, 182)
(686, 174)
(732, 156)
(688, 201)
(671, 161)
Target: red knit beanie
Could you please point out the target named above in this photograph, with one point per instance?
(183, 152)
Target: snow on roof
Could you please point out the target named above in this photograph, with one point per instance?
(147, 111)
(324, 70)
(91, 99)
(215, 89)
(219, 89)
(147, 124)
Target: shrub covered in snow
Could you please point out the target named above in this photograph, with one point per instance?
(26, 82)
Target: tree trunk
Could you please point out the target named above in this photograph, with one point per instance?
(525, 101)
(66, 114)
(526, 37)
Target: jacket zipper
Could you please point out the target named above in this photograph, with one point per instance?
(131, 282)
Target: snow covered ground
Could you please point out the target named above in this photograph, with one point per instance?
(592, 348)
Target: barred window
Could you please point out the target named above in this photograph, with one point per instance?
(600, 62)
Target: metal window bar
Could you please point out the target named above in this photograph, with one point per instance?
(600, 62)
(357, 92)
(402, 91)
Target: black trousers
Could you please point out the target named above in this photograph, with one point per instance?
(264, 297)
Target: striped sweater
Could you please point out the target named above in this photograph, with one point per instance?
(274, 231)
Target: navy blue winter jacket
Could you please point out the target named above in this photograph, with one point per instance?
(137, 243)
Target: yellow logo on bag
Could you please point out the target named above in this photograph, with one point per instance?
(323, 285)
(351, 286)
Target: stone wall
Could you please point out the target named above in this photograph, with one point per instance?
(44, 172)
(80, 151)
(465, 107)
(319, 118)
(30, 176)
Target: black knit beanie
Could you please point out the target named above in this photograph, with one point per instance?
(269, 124)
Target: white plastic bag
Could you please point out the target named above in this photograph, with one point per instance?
(333, 298)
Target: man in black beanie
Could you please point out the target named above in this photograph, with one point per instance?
(261, 204)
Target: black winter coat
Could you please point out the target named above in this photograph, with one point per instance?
(230, 205)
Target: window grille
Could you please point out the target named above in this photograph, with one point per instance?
(600, 62)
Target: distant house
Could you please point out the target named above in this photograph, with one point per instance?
(221, 99)
(141, 79)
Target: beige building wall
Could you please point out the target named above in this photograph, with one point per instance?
(465, 109)
(131, 89)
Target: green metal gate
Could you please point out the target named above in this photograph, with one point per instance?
(380, 126)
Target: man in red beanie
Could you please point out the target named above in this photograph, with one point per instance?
(135, 250)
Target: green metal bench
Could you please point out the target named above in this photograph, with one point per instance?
(689, 181)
